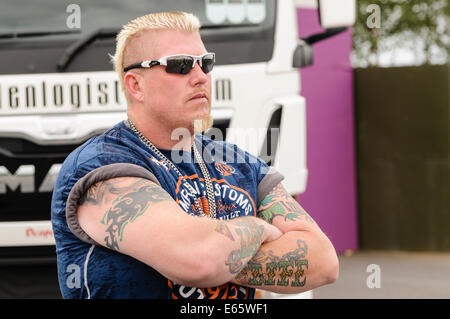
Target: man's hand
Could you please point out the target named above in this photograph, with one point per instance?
(249, 233)
(271, 233)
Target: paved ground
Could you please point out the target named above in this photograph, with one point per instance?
(402, 275)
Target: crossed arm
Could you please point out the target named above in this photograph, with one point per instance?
(282, 251)
(138, 218)
(303, 258)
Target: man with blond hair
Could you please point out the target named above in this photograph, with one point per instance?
(144, 214)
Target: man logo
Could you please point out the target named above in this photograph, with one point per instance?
(224, 169)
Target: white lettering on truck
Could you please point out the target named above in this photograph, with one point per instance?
(24, 178)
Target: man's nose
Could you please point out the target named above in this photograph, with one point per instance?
(197, 75)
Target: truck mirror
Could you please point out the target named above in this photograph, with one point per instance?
(303, 55)
(337, 13)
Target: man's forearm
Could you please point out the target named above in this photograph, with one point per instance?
(296, 262)
(282, 211)
(300, 260)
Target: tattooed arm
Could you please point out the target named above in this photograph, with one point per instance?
(300, 260)
(138, 218)
(281, 210)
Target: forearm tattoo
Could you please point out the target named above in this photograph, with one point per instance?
(224, 230)
(250, 234)
(280, 203)
(267, 269)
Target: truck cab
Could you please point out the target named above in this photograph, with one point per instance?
(58, 89)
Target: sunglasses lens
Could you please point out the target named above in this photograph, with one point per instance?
(208, 63)
(179, 65)
(183, 64)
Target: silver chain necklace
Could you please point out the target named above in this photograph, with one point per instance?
(201, 163)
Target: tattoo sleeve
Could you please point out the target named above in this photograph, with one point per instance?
(280, 203)
(268, 269)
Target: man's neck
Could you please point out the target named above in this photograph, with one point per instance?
(164, 137)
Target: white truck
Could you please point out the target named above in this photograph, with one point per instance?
(57, 89)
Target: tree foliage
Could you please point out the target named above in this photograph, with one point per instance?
(386, 25)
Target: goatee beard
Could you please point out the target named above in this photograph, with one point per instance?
(204, 124)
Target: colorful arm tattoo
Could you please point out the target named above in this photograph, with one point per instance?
(280, 203)
(267, 269)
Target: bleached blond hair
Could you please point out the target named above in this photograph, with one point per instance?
(176, 20)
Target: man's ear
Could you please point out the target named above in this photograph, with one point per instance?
(133, 85)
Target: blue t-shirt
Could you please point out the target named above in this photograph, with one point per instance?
(89, 270)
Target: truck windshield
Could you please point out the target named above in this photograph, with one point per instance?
(47, 16)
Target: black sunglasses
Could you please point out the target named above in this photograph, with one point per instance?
(179, 63)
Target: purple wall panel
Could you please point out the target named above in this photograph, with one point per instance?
(330, 196)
